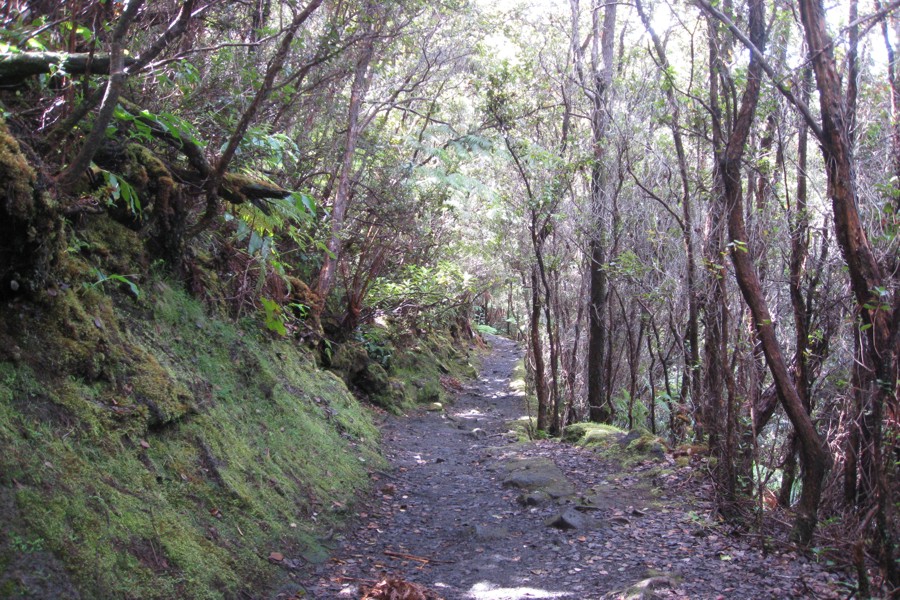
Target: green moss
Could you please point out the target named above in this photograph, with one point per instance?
(592, 434)
(523, 428)
(114, 249)
(628, 448)
(17, 175)
(422, 364)
(396, 372)
(166, 453)
(31, 236)
(646, 443)
(517, 381)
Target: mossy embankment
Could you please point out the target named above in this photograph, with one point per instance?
(151, 449)
(397, 370)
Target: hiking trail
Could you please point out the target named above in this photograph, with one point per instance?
(470, 513)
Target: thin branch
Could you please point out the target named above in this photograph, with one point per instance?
(776, 80)
(265, 89)
(82, 160)
(175, 29)
(185, 53)
(654, 197)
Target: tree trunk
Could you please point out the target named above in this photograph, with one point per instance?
(15, 68)
(812, 450)
(74, 171)
(540, 375)
(714, 304)
(692, 352)
(600, 408)
(872, 289)
(361, 81)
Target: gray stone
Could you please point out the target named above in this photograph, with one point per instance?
(646, 589)
(567, 519)
(533, 474)
(535, 498)
(487, 533)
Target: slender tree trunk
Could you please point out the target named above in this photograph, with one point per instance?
(715, 301)
(789, 471)
(540, 375)
(572, 373)
(692, 373)
(361, 81)
(799, 232)
(539, 232)
(73, 172)
(651, 417)
(598, 409)
(812, 450)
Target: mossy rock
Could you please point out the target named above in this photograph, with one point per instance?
(630, 446)
(115, 249)
(157, 388)
(522, 429)
(639, 441)
(592, 434)
(429, 391)
(383, 390)
(348, 361)
(373, 379)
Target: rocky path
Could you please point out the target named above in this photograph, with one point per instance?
(471, 514)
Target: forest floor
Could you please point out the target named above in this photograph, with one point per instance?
(469, 512)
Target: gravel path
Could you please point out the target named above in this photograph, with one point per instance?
(445, 517)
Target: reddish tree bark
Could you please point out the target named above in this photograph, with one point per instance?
(812, 450)
(879, 313)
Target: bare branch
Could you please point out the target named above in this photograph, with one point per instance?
(776, 80)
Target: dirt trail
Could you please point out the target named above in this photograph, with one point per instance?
(449, 516)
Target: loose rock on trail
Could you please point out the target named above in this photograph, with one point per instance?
(469, 513)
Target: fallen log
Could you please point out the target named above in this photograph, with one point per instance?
(16, 67)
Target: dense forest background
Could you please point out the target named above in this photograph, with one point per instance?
(689, 210)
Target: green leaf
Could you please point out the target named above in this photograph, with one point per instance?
(273, 316)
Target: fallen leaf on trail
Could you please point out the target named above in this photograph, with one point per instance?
(394, 588)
